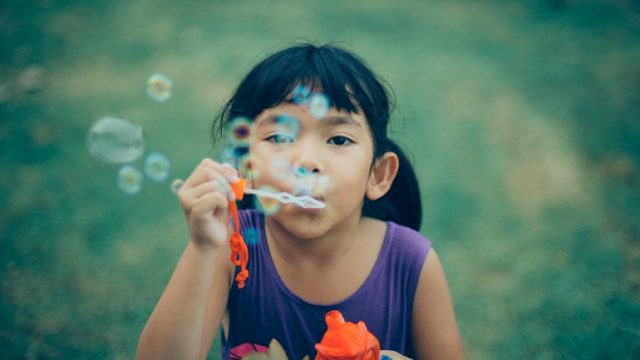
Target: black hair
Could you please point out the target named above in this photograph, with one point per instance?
(349, 85)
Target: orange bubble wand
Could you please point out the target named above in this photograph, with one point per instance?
(239, 250)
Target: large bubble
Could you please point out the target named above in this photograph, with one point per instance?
(159, 87)
(157, 166)
(115, 140)
(129, 179)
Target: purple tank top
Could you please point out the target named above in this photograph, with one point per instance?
(266, 309)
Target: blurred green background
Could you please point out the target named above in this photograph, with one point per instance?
(522, 117)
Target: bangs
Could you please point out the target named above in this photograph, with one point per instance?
(306, 70)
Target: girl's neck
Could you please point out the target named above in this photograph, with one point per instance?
(332, 246)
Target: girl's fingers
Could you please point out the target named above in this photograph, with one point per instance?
(231, 173)
(206, 188)
(209, 170)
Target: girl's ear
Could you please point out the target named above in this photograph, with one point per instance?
(382, 175)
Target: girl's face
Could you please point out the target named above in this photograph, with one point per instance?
(328, 158)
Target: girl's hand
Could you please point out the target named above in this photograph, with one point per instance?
(204, 198)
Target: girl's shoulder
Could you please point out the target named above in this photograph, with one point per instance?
(406, 239)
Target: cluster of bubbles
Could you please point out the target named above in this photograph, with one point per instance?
(119, 141)
(318, 103)
(279, 170)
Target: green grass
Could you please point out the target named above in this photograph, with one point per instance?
(522, 118)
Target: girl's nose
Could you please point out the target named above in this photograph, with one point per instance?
(307, 158)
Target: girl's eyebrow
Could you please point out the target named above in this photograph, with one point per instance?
(336, 120)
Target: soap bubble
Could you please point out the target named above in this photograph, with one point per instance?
(115, 140)
(319, 106)
(129, 179)
(280, 169)
(288, 125)
(249, 167)
(301, 94)
(320, 186)
(159, 87)
(176, 185)
(267, 205)
(156, 166)
(240, 132)
(251, 236)
(301, 171)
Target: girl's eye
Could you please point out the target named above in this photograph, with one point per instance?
(279, 139)
(340, 141)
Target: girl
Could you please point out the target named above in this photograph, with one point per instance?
(317, 118)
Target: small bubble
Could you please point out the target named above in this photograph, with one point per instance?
(301, 94)
(176, 185)
(319, 106)
(240, 132)
(288, 125)
(157, 166)
(129, 180)
(267, 205)
(31, 79)
(280, 169)
(301, 188)
(251, 236)
(227, 156)
(115, 140)
(159, 87)
(301, 171)
(248, 167)
(320, 186)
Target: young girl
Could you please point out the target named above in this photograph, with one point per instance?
(317, 118)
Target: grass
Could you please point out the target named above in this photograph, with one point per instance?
(522, 119)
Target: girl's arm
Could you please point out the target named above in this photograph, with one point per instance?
(435, 331)
(184, 322)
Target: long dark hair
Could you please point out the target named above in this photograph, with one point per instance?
(349, 85)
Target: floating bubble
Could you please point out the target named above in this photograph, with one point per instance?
(240, 132)
(319, 106)
(300, 171)
(301, 94)
(248, 167)
(129, 180)
(301, 188)
(227, 156)
(176, 185)
(320, 186)
(280, 169)
(267, 205)
(31, 79)
(159, 87)
(251, 236)
(288, 125)
(157, 166)
(115, 140)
